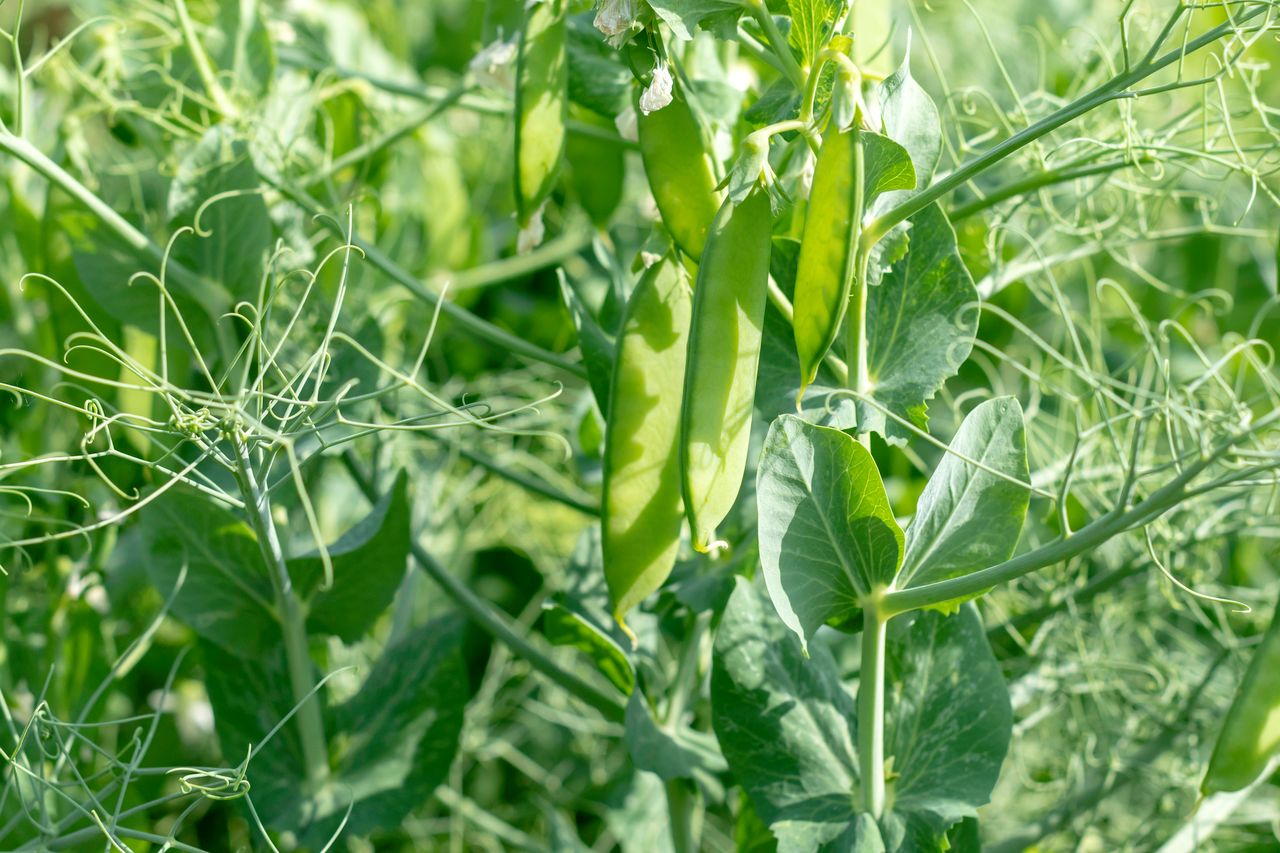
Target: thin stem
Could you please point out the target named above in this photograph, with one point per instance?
(491, 620)
(778, 42)
(1034, 183)
(1087, 538)
(504, 341)
(292, 615)
(680, 808)
(871, 709)
(1108, 91)
(204, 67)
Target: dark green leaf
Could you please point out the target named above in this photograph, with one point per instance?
(369, 563)
(597, 348)
(948, 721)
(227, 596)
(921, 323)
(563, 627)
(684, 753)
(233, 234)
(393, 742)
(684, 16)
(827, 533)
(785, 723)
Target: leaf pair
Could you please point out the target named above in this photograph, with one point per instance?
(828, 537)
(788, 728)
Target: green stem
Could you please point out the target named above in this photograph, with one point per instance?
(1086, 539)
(871, 709)
(485, 331)
(680, 809)
(1033, 183)
(549, 254)
(856, 316)
(204, 67)
(493, 621)
(1110, 90)
(778, 42)
(292, 615)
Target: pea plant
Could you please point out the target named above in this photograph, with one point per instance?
(819, 425)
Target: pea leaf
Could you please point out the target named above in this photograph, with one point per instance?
(392, 742)
(684, 16)
(564, 627)
(810, 25)
(596, 346)
(227, 597)
(598, 80)
(910, 118)
(827, 532)
(234, 234)
(921, 323)
(785, 723)
(369, 564)
(948, 721)
(681, 753)
(968, 517)
(787, 727)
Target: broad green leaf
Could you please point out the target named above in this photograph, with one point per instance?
(597, 349)
(827, 533)
(682, 753)
(392, 743)
(828, 252)
(785, 723)
(969, 517)
(227, 596)
(369, 564)
(921, 323)
(234, 233)
(684, 16)
(787, 727)
(948, 719)
(911, 119)
(240, 46)
(563, 627)
(637, 815)
(778, 380)
(598, 79)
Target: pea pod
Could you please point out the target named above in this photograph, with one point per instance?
(827, 251)
(724, 356)
(542, 97)
(641, 511)
(1250, 736)
(681, 173)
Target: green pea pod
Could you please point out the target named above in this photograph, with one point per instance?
(724, 355)
(681, 173)
(642, 510)
(542, 98)
(827, 251)
(597, 169)
(1250, 736)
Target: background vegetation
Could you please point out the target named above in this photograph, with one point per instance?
(353, 162)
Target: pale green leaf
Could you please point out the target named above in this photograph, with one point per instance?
(564, 627)
(921, 323)
(969, 517)
(827, 533)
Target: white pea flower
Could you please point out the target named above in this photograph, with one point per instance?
(494, 65)
(615, 17)
(530, 236)
(625, 122)
(658, 94)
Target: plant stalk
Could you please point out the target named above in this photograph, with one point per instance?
(871, 710)
(856, 315)
(293, 619)
(680, 809)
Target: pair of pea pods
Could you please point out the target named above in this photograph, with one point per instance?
(679, 428)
